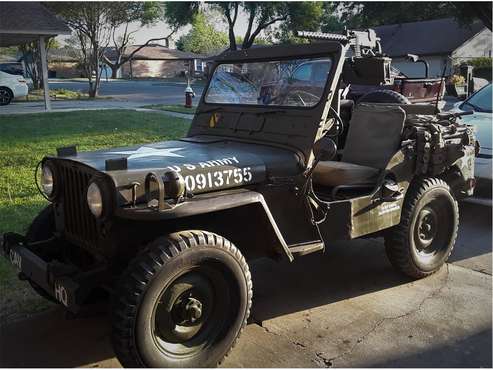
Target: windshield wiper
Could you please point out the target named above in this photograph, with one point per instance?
(211, 110)
(270, 112)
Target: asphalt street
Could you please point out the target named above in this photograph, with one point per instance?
(344, 308)
(146, 91)
(119, 94)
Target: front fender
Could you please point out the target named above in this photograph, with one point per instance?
(210, 204)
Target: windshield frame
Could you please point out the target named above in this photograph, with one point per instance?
(270, 59)
(304, 125)
(466, 102)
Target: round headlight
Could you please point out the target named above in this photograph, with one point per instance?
(95, 199)
(47, 181)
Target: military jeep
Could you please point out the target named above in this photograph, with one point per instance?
(168, 229)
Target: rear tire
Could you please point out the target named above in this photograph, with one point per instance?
(384, 96)
(182, 302)
(425, 237)
(6, 96)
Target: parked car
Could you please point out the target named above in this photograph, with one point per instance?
(11, 87)
(480, 103)
(16, 68)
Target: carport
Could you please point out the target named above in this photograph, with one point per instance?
(22, 22)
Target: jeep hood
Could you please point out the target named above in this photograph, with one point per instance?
(206, 163)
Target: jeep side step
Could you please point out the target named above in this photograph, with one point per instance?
(306, 248)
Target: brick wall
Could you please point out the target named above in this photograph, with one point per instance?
(152, 68)
(64, 69)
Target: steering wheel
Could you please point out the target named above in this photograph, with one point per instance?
(339, 125)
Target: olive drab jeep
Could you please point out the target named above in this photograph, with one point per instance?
(272, 166)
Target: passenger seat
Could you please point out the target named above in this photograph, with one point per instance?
(374, 136)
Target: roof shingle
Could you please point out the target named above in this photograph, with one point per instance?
(438, 36)
(155, 52)
(29, 18)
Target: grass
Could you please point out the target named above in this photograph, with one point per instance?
(172, 108)
(26, 139)
(58, 94)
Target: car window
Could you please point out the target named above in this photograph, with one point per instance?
(12, 68)
(319, 71)
(481, 101)
(268, 83)
(303, 72)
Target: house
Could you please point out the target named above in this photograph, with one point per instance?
(62, 63)
(158, 61)
(441, 42)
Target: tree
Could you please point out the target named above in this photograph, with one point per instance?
(123, 14)
(91, 23)
(146, 13)
(203, 38)
(31, 56)
(261, 16)
(377, 13)
(331, 21)
(306, 17)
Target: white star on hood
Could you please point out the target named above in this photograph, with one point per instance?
(146, 151)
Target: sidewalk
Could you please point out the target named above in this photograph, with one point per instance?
(75, 105)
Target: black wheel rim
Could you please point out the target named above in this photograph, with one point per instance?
(4, 96)
(192, 311)
(431, 229)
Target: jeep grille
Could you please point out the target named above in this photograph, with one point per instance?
(80, 225)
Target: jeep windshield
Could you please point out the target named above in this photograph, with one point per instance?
(293, 82)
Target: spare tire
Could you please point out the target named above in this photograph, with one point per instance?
(384, 96)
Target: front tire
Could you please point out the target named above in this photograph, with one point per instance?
(182, 302)
(6, 96)
(425, 237)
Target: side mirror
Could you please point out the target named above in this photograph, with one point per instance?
(412, 57)
(324, 149)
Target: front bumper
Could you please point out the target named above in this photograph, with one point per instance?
(58, 279)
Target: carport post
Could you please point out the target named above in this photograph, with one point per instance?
(44, 70)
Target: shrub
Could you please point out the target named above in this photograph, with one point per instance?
(482, 67)
(481, 62)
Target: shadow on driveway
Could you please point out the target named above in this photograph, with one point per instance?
(346, 270)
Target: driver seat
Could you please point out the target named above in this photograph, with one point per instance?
(374, 136)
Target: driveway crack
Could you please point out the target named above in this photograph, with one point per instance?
(325, 361)
(380, 322)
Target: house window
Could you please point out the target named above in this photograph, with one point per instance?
(199, 65)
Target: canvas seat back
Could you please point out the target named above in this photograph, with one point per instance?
(374, 135)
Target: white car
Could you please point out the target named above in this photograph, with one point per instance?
(12, 87)
(481, 103)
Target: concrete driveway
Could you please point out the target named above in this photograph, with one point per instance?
(123, 94)
(344, 308)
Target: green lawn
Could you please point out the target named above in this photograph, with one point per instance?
(172, 108)
(25, 139)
